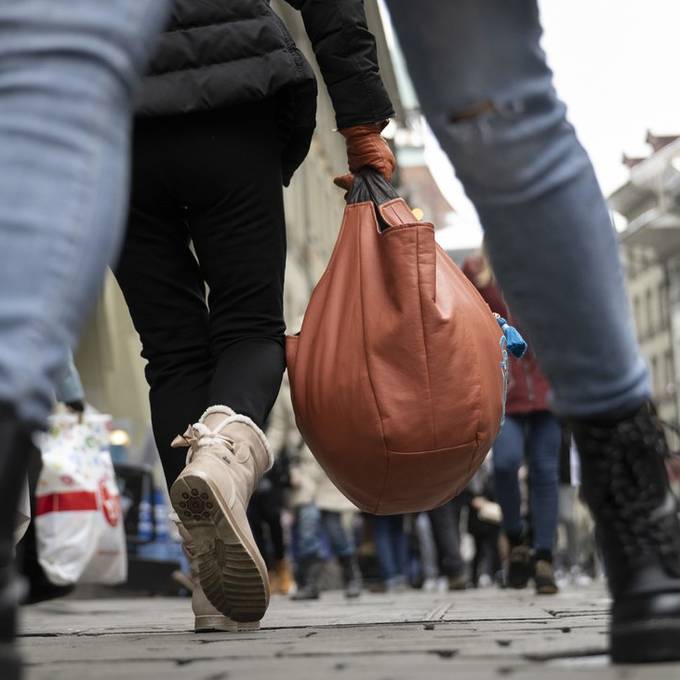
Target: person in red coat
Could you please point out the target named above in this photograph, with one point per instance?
(530, 431)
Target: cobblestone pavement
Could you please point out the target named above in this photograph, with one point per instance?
(410, 636)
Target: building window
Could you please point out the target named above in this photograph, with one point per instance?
(636, 314)
(663, 306)
(669, 372)
(655, 376)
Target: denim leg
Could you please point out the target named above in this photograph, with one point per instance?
(543, 452)
(67, 384)
(339, 539)
(508, 454)
(382, 537)
(399, 544)
(484, 85)
(67, 74)
(426, 546)
(308, 520)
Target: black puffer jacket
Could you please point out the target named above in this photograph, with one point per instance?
(219, 53)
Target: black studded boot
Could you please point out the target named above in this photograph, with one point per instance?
(625, 484)
(15, 448)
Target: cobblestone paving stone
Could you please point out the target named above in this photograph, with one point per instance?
(409, 636)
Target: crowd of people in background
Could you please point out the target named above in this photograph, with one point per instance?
(519, 520)
(310, 547)
(223, 118)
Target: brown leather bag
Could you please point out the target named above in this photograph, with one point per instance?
(398, 375)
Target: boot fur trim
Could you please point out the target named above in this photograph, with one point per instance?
(217, 408)
(239, 418)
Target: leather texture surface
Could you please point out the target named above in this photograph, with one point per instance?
(397, 375)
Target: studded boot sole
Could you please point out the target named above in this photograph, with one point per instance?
(654, 639)
(232, 572)
(223, 624)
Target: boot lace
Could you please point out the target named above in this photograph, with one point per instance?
(199, 437)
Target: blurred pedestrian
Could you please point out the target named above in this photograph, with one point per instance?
(579, 560)
(225, 117)
(265, 517)
(425, 571)
(319, 508)
(532, 433)
(445, 522)
(68, 391)
(487, 91)
(270, 498)
(484, 525)
(67, 73)
(392, 548)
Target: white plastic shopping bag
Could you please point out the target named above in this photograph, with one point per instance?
(23, 515)
(108, 564)
(79, 526)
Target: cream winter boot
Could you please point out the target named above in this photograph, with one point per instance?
(206, 617)
(228, 456)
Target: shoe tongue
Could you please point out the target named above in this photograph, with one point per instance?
(214, 420)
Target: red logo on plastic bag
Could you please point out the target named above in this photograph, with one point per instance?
(110, 504)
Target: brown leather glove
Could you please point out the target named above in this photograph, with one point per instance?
(366, 147)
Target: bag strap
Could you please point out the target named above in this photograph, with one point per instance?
(370, 186)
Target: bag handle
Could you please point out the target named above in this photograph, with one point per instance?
(370, 186)
(390, 209)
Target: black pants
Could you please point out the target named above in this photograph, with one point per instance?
(487, 559)
(264, 515)
(212, 181)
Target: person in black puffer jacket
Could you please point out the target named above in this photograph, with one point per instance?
(224, 118)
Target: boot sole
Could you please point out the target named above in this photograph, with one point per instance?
(656, 640)
(232, 572)
(518, 576)
(547, 591)
(213, 624)
(550, 589)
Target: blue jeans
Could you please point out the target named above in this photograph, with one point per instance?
(311, 522)
(484, 85)
(67, 384)
(536, 436)
(67, 74)
(391, 546)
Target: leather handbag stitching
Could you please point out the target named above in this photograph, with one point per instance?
(422, 329)
(368, 366)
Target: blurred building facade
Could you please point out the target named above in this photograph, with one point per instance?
(109, 353)
(416, 182)
(650, 204)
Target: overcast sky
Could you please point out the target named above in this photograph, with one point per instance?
(616, 65)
